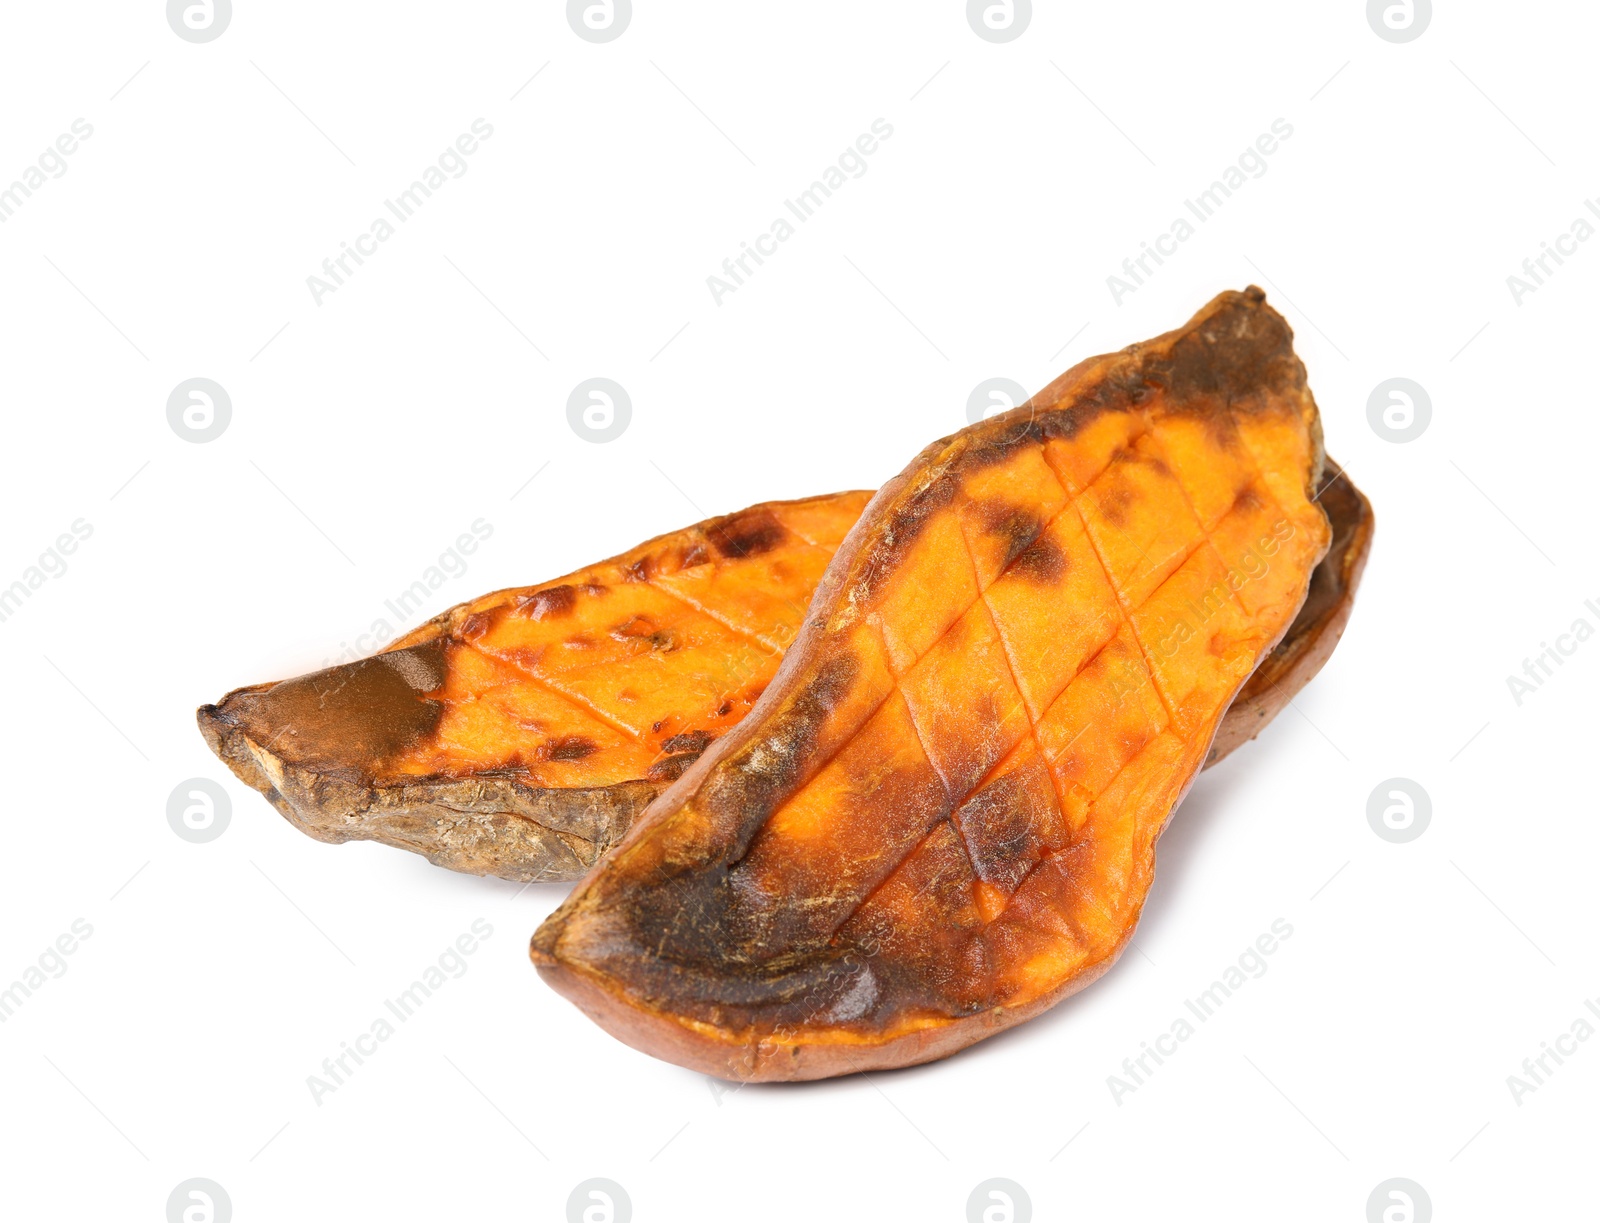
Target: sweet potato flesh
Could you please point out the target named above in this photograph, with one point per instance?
(631, 668)
(942, 816)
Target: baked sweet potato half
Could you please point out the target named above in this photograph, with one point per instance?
(489, 765)
(940, 818)
(520, 734)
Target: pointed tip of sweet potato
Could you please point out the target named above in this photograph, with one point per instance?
(222, 734)
(542, 948)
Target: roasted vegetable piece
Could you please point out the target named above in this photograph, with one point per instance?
(485, 769)
(520, 734)
(940, 819)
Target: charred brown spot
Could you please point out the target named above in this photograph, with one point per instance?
(1001, 825)
(696, 555)
(690, 741)
(748, 533)
(1247, 500)
(1017, 527)
(571, 747)
(475, 626)
(671, 768)
(548, 603)
(1112, 504)
(1043, 561)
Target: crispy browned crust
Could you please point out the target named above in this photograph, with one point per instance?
(588, 949)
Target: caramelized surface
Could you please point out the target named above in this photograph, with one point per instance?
(942, 815)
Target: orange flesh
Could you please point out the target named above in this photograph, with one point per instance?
(969, 696)
(628, 669)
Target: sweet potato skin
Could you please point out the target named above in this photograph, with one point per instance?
(808, 899)
(1316, 631)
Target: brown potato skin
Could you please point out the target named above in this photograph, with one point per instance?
(666, 947)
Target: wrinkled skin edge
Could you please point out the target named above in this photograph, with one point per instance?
(463, 824)
(810, 1054)
(559, 834)
(1311, 639)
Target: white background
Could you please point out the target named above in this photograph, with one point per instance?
(372, 429)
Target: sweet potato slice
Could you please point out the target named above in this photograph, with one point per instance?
(940, 819)
(357, 752)
(520, 734)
